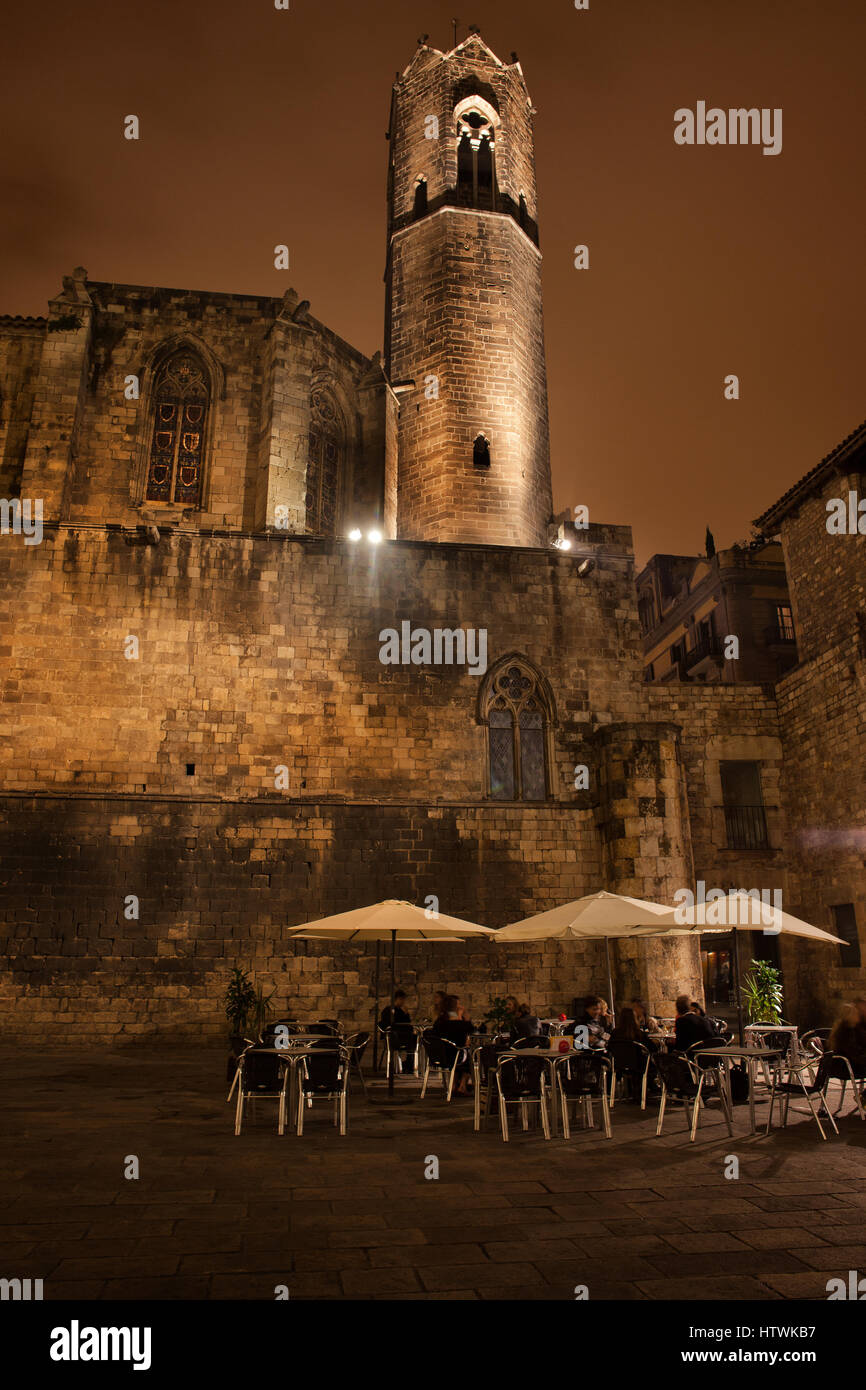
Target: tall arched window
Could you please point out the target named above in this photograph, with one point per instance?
(181, 396)
(324, 462)
(517, 715)
(476, 167)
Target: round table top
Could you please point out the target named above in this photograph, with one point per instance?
(739, 1052)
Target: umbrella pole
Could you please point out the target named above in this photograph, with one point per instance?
(738, 991)
(392, 1067)
(609, 975)
(376, 1014)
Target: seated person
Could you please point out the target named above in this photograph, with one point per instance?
(527, 1025)
(454, 1025)
(690, 1027)
(848, 1037)
(396, 1017)
(642, 1016)
(606, 1018)
(592, 1021)
(629, 1030)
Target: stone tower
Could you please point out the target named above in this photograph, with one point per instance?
(464, 325)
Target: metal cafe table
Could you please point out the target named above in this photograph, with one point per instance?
(749, 1055)
(553, 1057)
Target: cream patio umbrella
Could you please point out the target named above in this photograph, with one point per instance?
(597, 916)
(391, 921)
(722, 911)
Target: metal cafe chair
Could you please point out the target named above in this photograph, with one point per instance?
(484, 1060)
(629, 1061)
(685, 1082)
(396, 1037)
(323, 1074)
(521, 1081)
(446, 1056)
(356, 1046)
(800, 1087)
(842, 1070)
(585, 1077)
(260, 1076)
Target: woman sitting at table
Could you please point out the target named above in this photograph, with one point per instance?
(642, 1017)
(629, 1030)
(848, 1037)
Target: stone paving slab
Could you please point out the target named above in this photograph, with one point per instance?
(213, 1216)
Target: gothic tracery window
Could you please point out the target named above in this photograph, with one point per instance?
(323, 465)
(517, 717)
(476, 171)
(181, 402)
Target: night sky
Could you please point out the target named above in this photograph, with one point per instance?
(261, 126)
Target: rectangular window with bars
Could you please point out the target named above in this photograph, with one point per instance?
(845, 925)
(745, 819)
(784, 622)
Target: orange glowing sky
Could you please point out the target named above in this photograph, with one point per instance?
(262, 126)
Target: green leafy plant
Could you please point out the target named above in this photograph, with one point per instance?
(240, 1001)
(500, 1014)
(762, 993)
(262, 1009)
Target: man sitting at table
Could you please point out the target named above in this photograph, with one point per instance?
(592, 1021)
(691, 1027)
(527, 1025)
(402, 1038)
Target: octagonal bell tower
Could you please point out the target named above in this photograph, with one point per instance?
(464, 328)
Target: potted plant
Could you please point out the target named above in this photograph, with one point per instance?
(762, 993)
(239, 1001)
(500, 1015)
(261, 1010)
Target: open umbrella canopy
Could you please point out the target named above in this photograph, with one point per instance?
(741, 911)
(597, 915)
(389, 921)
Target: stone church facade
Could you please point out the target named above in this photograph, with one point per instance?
(201, 746)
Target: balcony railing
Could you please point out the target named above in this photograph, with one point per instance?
(776, 636)
(704, 647)
(746, 827)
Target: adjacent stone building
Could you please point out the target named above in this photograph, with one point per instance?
(201, 743)
(692, 606)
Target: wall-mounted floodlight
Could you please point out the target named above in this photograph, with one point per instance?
(374, 537)
(562, 544)
(586, 567)
(355, 533)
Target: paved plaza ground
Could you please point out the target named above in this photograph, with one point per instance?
(217, 1217)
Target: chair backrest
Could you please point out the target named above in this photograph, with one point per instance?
(815, 1040)
(676, 1074)
(486, 1057)
(834, 1065)
(260, 1070)
(356, 1044)
(581, 1071)
(325, 1025)
(782, 1041)
(627, 1055)
(441, 1052)
(518, 1043)
(323, 1069)
(520, 1076)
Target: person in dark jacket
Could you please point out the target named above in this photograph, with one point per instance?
(690, 1027)
(397, 1018)
(453, 1024)
(527, 1025)
(848, 1036)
